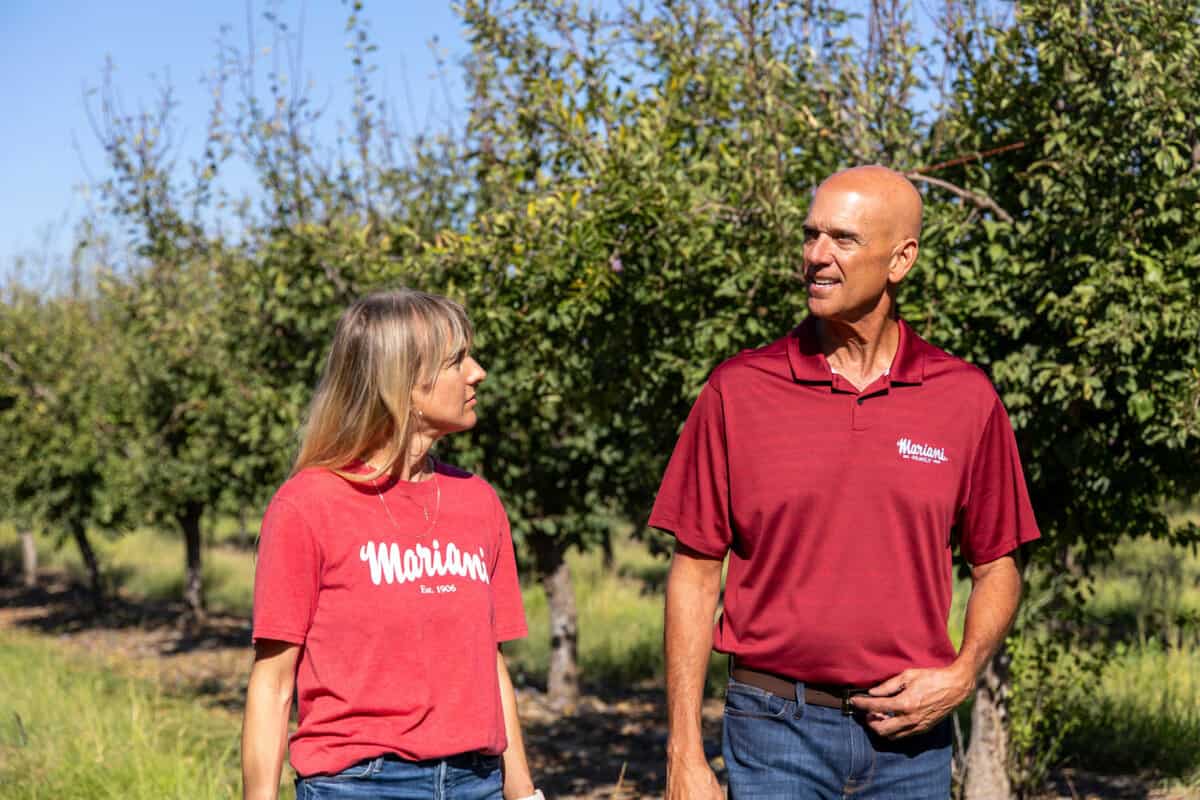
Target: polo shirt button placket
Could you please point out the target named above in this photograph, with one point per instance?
(858, 414)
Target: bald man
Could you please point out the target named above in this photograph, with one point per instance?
(839, 469)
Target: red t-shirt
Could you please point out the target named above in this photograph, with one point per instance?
(840, 508)
(399, 624)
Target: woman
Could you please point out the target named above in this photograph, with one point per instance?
(386, 580)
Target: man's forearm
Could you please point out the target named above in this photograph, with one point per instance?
(991, 608)
(693, 588)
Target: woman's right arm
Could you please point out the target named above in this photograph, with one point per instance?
(264, 727)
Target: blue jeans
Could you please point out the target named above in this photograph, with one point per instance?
(467, 777)
(777, 749)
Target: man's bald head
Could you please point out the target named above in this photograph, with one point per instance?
(896, 201)
(861, 237)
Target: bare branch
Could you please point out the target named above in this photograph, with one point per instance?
(980, 200)
(976, 156)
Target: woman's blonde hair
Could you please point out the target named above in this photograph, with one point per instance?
(385, 345)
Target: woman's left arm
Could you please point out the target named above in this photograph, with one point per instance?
(517, 781)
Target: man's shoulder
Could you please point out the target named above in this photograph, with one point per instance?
(966, 378)
(767, 361)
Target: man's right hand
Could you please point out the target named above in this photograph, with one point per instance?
(692, 779)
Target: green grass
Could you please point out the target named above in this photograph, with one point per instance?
(1150, 591)
(1141, 713)
(147, 563)
(71, 728)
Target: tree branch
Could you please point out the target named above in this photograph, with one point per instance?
(36, 388)
(980, 200)
(977, 156)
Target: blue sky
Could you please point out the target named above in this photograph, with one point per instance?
(51, 49)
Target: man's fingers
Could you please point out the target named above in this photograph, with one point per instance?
(893, 685)
(888, 727)
(896, 727)
(882, 705)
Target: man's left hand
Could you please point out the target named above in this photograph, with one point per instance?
(914, 701)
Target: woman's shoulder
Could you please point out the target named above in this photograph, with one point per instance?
(465, 480)
(310, 486)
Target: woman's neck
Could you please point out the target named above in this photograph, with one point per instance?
(415, 465)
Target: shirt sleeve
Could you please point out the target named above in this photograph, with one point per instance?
(693, 498)
(506, 588)
(997, 517)
(286, 576)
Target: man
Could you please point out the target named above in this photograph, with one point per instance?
(838, 467)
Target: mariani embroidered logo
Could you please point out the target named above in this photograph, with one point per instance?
(923, 453)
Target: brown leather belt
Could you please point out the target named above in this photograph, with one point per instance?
(817, 694)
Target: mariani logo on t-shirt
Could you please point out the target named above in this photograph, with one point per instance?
(923, 453)
(389, 564)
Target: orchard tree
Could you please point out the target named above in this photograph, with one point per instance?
(225, 335)
(178, 435)
(640, 183)
(59, 410)
(1076, 288)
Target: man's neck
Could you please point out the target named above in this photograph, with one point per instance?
(862, 350)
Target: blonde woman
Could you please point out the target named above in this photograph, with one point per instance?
(386, 581)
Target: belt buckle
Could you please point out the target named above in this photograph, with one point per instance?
(847, 709)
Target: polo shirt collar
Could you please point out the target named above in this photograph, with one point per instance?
(809, 364)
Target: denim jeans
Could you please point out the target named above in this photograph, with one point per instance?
(777, 749)
(467, 777)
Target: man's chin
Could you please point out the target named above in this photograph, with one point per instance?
(822, 309)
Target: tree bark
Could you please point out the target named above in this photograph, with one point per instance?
(90, 562)
(193, 581)
(562, 682)
(243, 529)
(29, 560)
(987, 754)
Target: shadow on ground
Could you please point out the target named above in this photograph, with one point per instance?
(62, 608)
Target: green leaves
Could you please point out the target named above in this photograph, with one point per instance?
(1095, 291)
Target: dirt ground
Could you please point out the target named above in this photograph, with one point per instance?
(610, 746)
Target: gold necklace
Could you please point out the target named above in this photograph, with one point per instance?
(424, 509)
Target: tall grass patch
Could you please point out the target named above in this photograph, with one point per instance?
(72, 728)
(1151, 590)
(1143, 714)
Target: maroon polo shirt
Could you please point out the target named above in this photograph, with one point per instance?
(840, 509)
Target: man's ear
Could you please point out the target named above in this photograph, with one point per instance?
(903, 259)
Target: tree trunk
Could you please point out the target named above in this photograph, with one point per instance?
(987, 755)
(193, 581)
(562, 683)
(96, 585)
(29, 560)
(243, 529)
